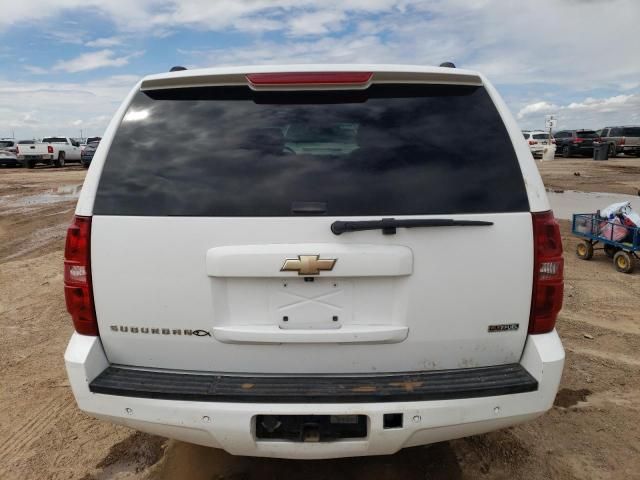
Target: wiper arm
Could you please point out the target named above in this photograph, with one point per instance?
(389, 225)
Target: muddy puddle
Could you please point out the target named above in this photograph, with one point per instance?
(567, 202)
(63, 193)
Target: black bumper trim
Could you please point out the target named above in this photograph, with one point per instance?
(390, 387)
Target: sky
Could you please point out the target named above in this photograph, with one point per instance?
(66, 65)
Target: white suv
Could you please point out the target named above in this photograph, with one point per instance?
(312, 272)
(537, 141)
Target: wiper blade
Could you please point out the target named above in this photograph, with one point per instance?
(389, 225)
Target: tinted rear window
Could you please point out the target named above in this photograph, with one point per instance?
(388, 150)
(26, 142)
(541, 136)
(631, 131)
(586, 134)
(54, 140)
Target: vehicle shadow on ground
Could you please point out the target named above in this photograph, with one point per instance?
(183, 460)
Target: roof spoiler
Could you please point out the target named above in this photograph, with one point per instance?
(208, 79)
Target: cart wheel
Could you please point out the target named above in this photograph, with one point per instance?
(623, 262)
(610, 250)
(584, 250)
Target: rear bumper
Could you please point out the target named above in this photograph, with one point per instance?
(537, 149)
(371, 388)
(35, 158)
(582, 149)
(628, 148)
(230, 425)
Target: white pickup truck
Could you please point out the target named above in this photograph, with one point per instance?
(314, 302)
(64, 150)
(54, 151)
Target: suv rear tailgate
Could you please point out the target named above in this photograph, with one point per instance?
(192, 240)
(446, 300)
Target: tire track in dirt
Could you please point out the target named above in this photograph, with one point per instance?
(605, 355)
(24, 435)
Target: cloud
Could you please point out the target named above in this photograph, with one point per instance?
(536, 107)
(93, 60)
(40, 108)
(588, 113)
(523, 47)
(316, 23)
(602, 104)
(512, 42)
(104, 42)
(36, 70)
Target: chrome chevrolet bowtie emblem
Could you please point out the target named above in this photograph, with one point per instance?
(308, 264)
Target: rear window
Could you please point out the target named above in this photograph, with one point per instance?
(586, 134)
(26, 142)
(631, 131)
(54, 140)
(541, 136)
(387, 150)
(4, 143)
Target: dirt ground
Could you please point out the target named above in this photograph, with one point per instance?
(593, 432)
(617, 175)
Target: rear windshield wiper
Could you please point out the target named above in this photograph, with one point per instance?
(389, 225)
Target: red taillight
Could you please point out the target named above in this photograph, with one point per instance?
(553, 140)
(309, 78)
(532, 142)
(548, 273)
(77, 276)
(17, 150)
(49, 149)
(622, 140)
(578, 140)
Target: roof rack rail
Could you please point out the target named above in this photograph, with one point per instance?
(177, 68)
(448, 64)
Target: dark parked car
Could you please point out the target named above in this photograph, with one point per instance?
(622, 140)
(87, 153)
(572, 142)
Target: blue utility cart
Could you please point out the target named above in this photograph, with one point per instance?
(590, 227)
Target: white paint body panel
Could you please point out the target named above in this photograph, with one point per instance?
(229, 425)
(155, 272)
